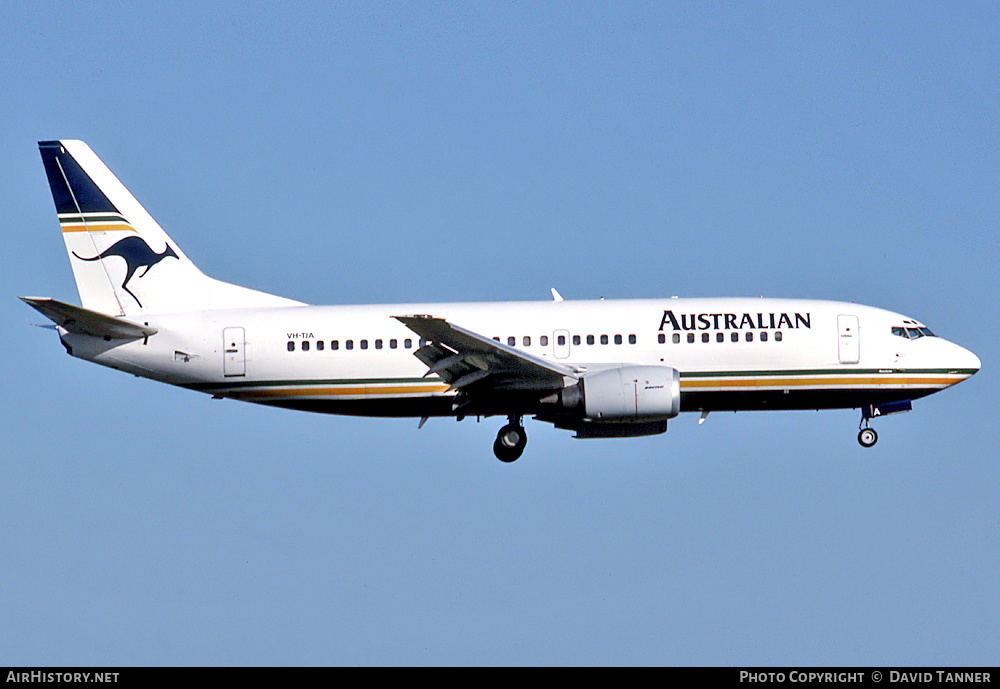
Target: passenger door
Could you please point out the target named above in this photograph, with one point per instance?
(848, 340)
(234, 352)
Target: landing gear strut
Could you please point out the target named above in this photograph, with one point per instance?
(510, 440)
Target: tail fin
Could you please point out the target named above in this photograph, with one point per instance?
(123, 261)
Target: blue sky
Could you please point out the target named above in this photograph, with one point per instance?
(388, 152)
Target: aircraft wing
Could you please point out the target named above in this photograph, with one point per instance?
(461, 357)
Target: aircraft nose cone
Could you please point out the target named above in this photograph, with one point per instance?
(976, 363)
(968, 361)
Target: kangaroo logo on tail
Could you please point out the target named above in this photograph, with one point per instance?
(137, 254)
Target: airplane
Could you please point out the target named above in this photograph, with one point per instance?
(599, 368)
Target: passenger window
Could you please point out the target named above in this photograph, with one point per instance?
(544, 340)
(576, 339)
(392, 344)
(319, 345)
(749, 337)
(364, 344)
(305, 346)
(661, 338)
(720, 337)
(777, 336)
(378, 344)
(690, 338)
(407, 343)
(334, 344)
(349, 344)
(763, 336)
(526, 341)
(704, 337)
(604, 339)
(291, 346)
(677, 338)
(631, 339)
(511, 341)
(590, 339)
(735, 337)
(561, 340)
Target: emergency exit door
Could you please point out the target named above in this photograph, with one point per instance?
(560, 344)
(234, 361)
(848, 341)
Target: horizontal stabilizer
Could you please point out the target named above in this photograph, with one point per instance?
(86, 322)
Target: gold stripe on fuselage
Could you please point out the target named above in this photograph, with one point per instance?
(802, 382)
(822, 382)
(340, 391)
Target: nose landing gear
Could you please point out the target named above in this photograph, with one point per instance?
(510, 441)
(867, 437)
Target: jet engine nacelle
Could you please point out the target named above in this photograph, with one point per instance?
(631, 393)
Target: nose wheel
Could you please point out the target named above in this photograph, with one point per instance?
(867, 435)
(510, 441)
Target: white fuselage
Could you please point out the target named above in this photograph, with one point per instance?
(731, 353)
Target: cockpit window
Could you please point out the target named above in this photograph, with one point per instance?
(912, 333)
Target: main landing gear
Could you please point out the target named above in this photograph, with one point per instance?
(511, 440)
